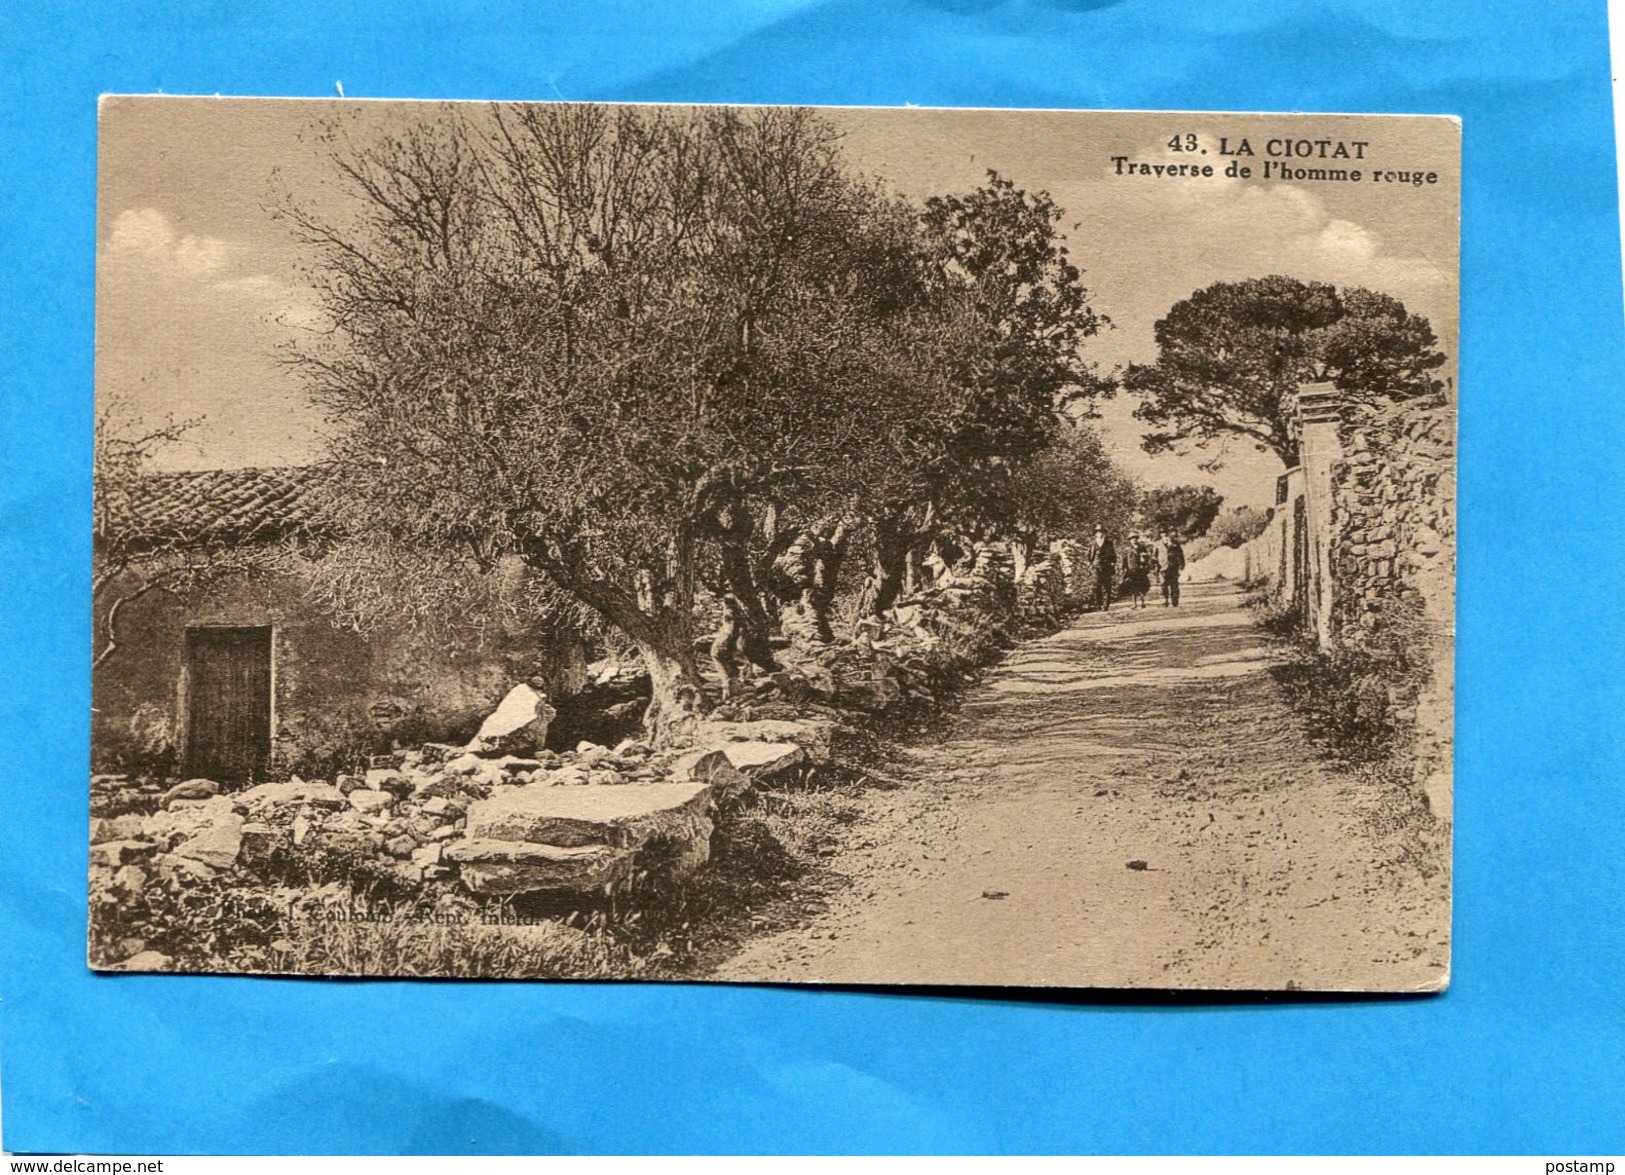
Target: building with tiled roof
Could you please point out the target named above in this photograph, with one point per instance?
(218, 505)
(241, 672)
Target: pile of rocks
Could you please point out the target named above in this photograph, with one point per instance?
(1071, 559)
(495, 820)
(1043, 594)
(917, 648)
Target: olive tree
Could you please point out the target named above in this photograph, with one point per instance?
(605, 342)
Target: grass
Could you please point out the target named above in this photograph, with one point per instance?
(1358, 706)
(1353, 701)
(543, 949)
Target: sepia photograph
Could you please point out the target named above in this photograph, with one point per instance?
(838, 545)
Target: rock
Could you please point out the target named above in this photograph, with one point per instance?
(760, 760)
(795, 686)
(369, 802)
(260, 842)
(810, 734)
(294, 793)
(590, 754)
(102, 881)
(146, 961)
(589, 815)
(436, 806)
(581, 838)
(184, 869)
(445, 787)
(433, 753)
(714, 769)
(118, 828)
(300, 828)
(500, 867)
(519, 723)
(131, 879)
(188, 818)
(515, 763)
(445, 832)
(629, 711)
(606, 778)
(392, 782)
(401, 846)
(427, 855)
(632, 749)
(348, 783)
(217, 845)
(467, 763)
(108, 780)
(192, 789)
(112, 854)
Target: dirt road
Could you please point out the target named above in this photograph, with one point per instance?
(1131, 802)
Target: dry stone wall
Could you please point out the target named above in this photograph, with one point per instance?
(1393, 566)
(1361, 552)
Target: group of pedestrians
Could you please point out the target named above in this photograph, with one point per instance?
(1130, 572)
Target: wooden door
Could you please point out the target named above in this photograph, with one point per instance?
(228, 720)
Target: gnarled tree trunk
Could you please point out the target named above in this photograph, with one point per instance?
(818, 597)
(887, 573)
(658, 619)
(676, 700)
(748, 629)
(807, 571)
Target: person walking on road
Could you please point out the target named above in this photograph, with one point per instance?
(1137, 569)
(1173, 562)
(1104, 557)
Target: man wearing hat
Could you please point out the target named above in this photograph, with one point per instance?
(1104, 556)
(1173, 562)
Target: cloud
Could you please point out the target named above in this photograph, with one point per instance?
(192, 325)
(1250, 227)
(147, 235)
(1346, 240)
(146, 249)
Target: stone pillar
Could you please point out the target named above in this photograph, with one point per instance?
(1318, 414)
(1286, 573)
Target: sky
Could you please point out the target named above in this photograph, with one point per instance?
(200, 288)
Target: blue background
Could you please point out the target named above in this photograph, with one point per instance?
(1524, 1052)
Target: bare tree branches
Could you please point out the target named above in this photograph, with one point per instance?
(133, 559)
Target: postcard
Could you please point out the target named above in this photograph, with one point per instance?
(766, 544)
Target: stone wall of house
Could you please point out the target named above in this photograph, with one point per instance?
(337, 694)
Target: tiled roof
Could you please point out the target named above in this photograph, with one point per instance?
(231, 505)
